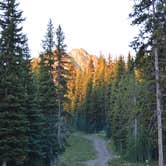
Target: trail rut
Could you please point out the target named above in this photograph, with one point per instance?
(103, 155)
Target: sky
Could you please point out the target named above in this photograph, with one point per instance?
(98, 26)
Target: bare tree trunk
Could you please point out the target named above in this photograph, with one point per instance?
(158, 95)
(4, 163)
(135, 128)
(159, 112)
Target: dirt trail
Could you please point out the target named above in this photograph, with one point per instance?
(103, 155)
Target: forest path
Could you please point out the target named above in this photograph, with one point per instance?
(103, 155)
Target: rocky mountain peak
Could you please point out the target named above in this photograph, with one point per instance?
(82, 57)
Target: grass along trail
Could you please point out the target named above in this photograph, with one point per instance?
(86, 150)
(79, 151)
(91, 150)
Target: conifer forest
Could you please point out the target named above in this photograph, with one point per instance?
(46, 99)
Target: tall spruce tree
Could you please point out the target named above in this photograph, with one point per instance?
(13, 126)
(145, 99)
(35, 121)
(47, 97)
(151, 14)
(110, 74)
(88, 115)
(71, 88)
(117, 108)
(33, 114)
(78, 99)
(61, 80)
(100, 93)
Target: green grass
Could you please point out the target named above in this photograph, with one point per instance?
(121, 162)
(79, 151)
(111, 146)
(118, 161)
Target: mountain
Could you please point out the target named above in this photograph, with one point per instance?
(82, 58)
(79, 57)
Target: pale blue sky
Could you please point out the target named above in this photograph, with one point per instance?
(95, 25)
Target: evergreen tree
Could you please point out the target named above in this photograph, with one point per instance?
(151, 14)
(71, 88)
(117, 108)
(100, 94)
(78, 100)
(47, 98)
(33, 114)
(130, 115)
(110, 74)
(35, 120)
(88, 109)
(13, 126)
(145, 147)
(61, 73)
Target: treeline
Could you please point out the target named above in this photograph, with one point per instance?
(90, 95)
(32, 130)
(128, 98)
(119, 96)
(132, 121)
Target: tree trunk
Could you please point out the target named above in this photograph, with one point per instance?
(135, 128)
(57, 160)
(159, 112)
(51, 156)
(4, 163)
(59, 123)
(51, 162)
(59, 132)
(135, 120)
(158, 96)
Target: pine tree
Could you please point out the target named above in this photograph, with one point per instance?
(145, 98)
(117, 107)
(33, 114)
(61, 83)
(151, 14)
(100, 93)
(78, 100)
(47, 97)
(88, 108)
(13, 127)
(71, 88)
(110, 74)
